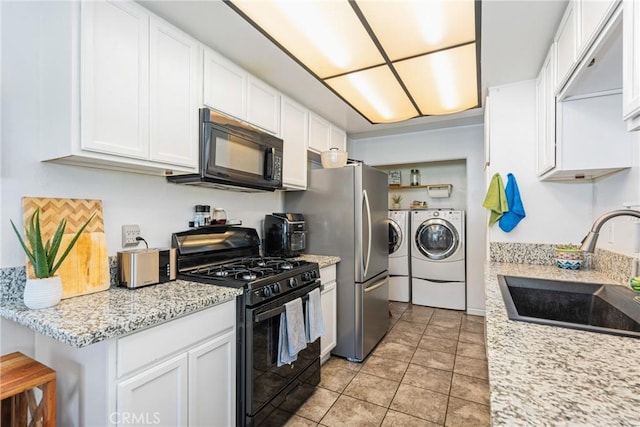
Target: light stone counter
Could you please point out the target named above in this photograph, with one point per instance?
(322, 260)
(88, 319)
(546, 375)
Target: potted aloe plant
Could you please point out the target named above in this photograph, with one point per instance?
(396, 199)
(46, 289)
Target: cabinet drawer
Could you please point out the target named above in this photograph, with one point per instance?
(152, 345)
(328, 274)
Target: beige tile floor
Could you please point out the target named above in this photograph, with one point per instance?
(429, 370)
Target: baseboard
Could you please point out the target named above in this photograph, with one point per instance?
(476, 312)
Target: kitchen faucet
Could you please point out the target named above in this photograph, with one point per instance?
(589, 241)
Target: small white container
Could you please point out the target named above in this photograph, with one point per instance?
(334, 158)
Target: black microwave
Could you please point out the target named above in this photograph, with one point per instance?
(234, 155)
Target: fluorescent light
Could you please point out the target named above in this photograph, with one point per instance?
(443, 82)
(414, 27)
(430, 44)
(376, 94)
(326, 36)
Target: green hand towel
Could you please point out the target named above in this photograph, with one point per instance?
(496, 199)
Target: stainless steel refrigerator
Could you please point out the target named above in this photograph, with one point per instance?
(345, 211)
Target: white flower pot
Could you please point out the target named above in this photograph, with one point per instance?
(42, 293)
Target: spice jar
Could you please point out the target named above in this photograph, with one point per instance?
(198, 216)
(415, 177)
(219, 216)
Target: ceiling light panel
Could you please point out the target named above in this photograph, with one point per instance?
(412, 27)
(326, 36)
(443, 82)
(376, 94)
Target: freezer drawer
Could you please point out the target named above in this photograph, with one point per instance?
(373, 321)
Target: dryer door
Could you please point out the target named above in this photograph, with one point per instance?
(395, 236)
(437, 239)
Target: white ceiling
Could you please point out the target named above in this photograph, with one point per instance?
(516, 35)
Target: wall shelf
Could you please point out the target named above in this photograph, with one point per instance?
(433, 190)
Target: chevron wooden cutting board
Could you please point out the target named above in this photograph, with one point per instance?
(86, 269)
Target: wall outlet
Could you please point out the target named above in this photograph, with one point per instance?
(612, 233)
(129, 234)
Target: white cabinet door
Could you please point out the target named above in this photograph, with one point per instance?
(173, 103)
(295, 134)
(338, 138)
(329, 311)
(212, 382)
(155, 396)
(631, 64)
(114, 49)
(263, 105)
(593, 15)
(225, 85)
(319, 133)
(545, 112)
(567, 41)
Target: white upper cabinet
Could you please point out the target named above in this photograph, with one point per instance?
(295, 134)
(319, 133)
(114, 52)
(566, 40)
(173, 92)
(338, 138)
(545, 115)
(127, 98)
(225, 85)
(593, 16)
(631, 64)
(232, 91)
(263, 105)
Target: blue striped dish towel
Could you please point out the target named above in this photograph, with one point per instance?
(314, 327)
(291, 337)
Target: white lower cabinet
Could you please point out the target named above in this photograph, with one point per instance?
(329, 311)
(157, 395)
(179, 373)
(212, 378)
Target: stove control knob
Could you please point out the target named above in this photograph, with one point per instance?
(276, 288)
(315, 274)
(266, 292)
(306, 276)
(293, 282)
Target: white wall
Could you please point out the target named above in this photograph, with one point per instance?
(439, 145)
(159, 207)
(556, 212)
(610, 193)
(450, 172)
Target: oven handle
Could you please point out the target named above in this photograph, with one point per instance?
(273, 312)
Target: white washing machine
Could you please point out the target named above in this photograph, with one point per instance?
(399, 286)
(438, 270)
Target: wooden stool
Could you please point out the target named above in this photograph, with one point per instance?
(19, 375)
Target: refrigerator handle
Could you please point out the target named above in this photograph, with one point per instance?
(365, 197)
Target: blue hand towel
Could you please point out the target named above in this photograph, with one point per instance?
(315, 324)
(510, 219)
(291, 337)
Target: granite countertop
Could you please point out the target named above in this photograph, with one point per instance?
(322, 260)
(88, 319)
(546, 375)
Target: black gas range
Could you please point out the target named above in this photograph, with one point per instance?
(230, 256)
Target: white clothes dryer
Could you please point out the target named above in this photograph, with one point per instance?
(399, 286)
(438, 271)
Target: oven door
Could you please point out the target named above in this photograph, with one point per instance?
(267, 385)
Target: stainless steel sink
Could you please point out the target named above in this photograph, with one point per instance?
(608, 309)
